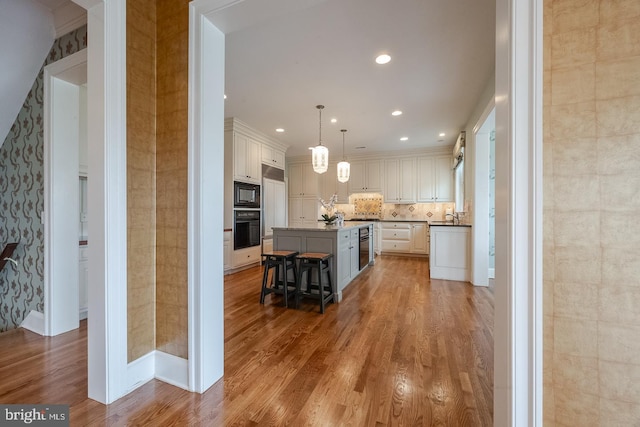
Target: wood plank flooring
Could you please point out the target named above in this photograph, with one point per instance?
(399, 350)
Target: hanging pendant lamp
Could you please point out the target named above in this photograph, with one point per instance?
(320, 153)
(344, 168)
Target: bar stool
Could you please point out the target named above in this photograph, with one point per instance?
(321, 291)
(285, 260)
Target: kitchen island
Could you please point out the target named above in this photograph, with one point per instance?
(341, 241)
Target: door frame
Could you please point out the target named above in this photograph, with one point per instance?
(60, 216)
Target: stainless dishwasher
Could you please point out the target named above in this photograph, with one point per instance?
(364, 247)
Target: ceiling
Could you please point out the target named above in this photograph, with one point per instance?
(281, 66)
(285, 57)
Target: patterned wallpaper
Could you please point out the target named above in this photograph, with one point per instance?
(22, 196)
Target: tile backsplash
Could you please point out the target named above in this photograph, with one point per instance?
(371, 205)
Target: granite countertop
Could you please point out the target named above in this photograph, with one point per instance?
(404, 220)
(446, 224)
(321, 226)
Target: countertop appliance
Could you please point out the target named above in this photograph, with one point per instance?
(246, 195)
(364, 247)
(246, 229)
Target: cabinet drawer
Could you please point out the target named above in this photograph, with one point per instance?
(246, 256)
(396, 246)
(396, 225)
(402, 234)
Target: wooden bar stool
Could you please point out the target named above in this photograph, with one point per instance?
(321, 291)
(285, 260)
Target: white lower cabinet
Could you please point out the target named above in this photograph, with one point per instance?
(404, 237)
(226, 250)
(419, 238)
(348, 255)
(450, 253)
(83, 281)
(246, 256)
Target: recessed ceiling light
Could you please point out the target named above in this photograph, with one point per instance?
(442, 134)
(334, 120)
(404, 138)
(396, 113)
(279, 130)
(383, 59)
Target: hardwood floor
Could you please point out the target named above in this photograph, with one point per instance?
(399, 350)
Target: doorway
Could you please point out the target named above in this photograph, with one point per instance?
(65, 125)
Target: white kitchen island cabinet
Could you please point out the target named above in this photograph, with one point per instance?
(343, 242)
(450, 252)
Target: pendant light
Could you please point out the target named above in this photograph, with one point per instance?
(344, 168)
(320, 153)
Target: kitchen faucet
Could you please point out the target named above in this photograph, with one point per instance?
(454, 217)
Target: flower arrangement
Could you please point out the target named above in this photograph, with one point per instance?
(329, 206)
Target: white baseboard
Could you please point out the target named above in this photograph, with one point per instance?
(172, 369)
(84, 312)
(492, 273)
(165, 367)
(34, 322)
(141, 371)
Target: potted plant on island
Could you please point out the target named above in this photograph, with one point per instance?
(329, 217)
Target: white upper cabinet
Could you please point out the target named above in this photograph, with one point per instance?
(399, 181)
(303, 181)
(246, 159)
(272, 156)
(303, 211)
(435, 179)
(366, 176)
(329, 185)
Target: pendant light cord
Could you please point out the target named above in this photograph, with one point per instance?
(343, 132)
(320, 107)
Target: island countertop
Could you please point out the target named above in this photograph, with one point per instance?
(321, 226)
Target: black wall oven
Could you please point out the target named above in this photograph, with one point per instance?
(246, 228)
(246, 195)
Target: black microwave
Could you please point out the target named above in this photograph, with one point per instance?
(246, 195)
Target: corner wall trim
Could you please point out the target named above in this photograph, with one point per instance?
(34, 322)
(141, 371)
(172, 369)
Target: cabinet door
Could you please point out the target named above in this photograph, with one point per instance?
(274, 205)
(355, 253)
(391, 183)
(303, 180)
(278, 158)
(295, 180)
(240, 147)
(280, 205)
(254, 167)
(406, 181)
(357, 179)
(419, 238)
(272, 156)
(425, 182)
(374, 174)
(295, 211)
(343, 261)
(309, 180)
(226, 250)
(310, 208)
(443, 179)
(246, 159)
(83, 280)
